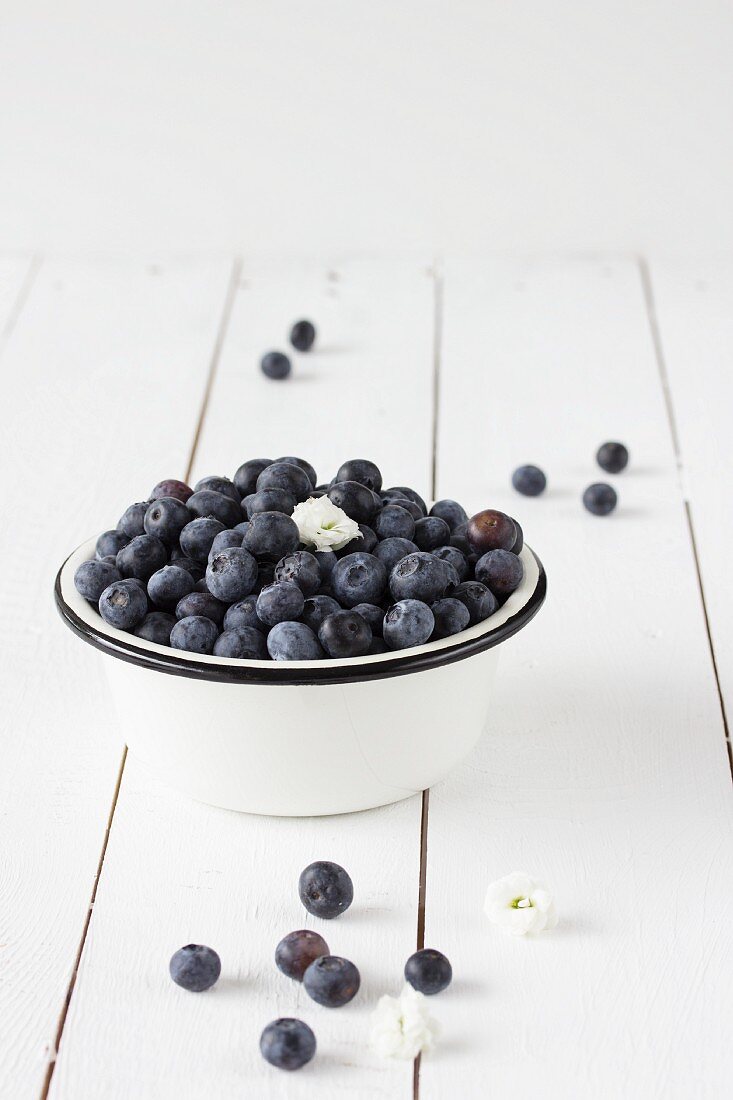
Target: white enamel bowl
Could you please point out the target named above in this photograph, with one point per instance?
(301, 738)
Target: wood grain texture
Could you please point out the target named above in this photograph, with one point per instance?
(693, 302)
(176, 871)
(103, 374)
(603, 770)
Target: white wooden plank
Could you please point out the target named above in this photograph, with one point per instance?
(694, 309)
(603, 770)
(16, 275)
(176, 871)
(102, 380)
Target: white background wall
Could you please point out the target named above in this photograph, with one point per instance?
(335, 124)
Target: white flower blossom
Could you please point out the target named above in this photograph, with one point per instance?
(518, 904)
(401, 1026)
(322, 525)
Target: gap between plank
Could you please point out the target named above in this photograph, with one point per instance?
(651, 311)
(210, 377)
(21, 298)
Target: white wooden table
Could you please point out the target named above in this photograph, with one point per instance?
(605, 769)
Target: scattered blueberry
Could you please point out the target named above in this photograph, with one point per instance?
(428, 971)
(292, 641)
(92, 577)
(156, 627)
(600, 499)
(195, 967)
(451, 616)
(491, 530)
(246, 643)
(169, 585)
(530, 481)
(297, 950)
(280, 603)
(302, 335)
(408, 623)
(231, 574)
(501, 571)
(275, 365)
(287, 1043)
(325, 889)
(195, 633)
(345, 634)
(123, 604)
(612, 457)
(331, 981)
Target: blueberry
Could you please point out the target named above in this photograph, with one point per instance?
(377, 645)
(110, 543)
(207, 502)
(316, 609)
(225, 539)
(165, 518)
(195, 967)
(172, 487)
(612, 457)
(366, 543)
(530, 481)
(197, 537)
(243, 614)
(132, 520)
(302, 569)
(325, 889)
(156, 627)
(519, 543)
(241, 528)
(265, 575)
(408, 623)
(287, 1043)
(221, 485)
(359, 578)
(195, 633)
(600, 499)
(92, 577)
(169, 585)
(202, 604)
(231, 574)
(409, 505)
(501, 571)
(390, 551)
(491, 530)
(355, 499)
(312, 475)
(245, 479)
(297, 950)
(275, 365)
(280, 603)
(302, 335)
(142, 557)
(480, 602)
(428, 971)
(195, 568)
(410, 494)
(123, 604)
(361, 470)
(451, 511)
(419, 576)
(459, 540)
(345, 634)
(293, 642)
(371, 614)
(451, 617)
(269, 500)
(326, 561)
(287, 476)
(455, 557)
(271, 535)
(246, 644)
(331, 981)
(394, 522)
(431, 532)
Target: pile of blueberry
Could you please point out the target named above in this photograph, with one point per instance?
(326, 891)
(600, 498)
(220, 568)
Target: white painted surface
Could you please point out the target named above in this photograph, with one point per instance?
(231, 879)
(694, 306)
(102, 377)
(474, 125)
(605, 773)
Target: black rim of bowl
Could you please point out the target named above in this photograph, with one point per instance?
(281, 672)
